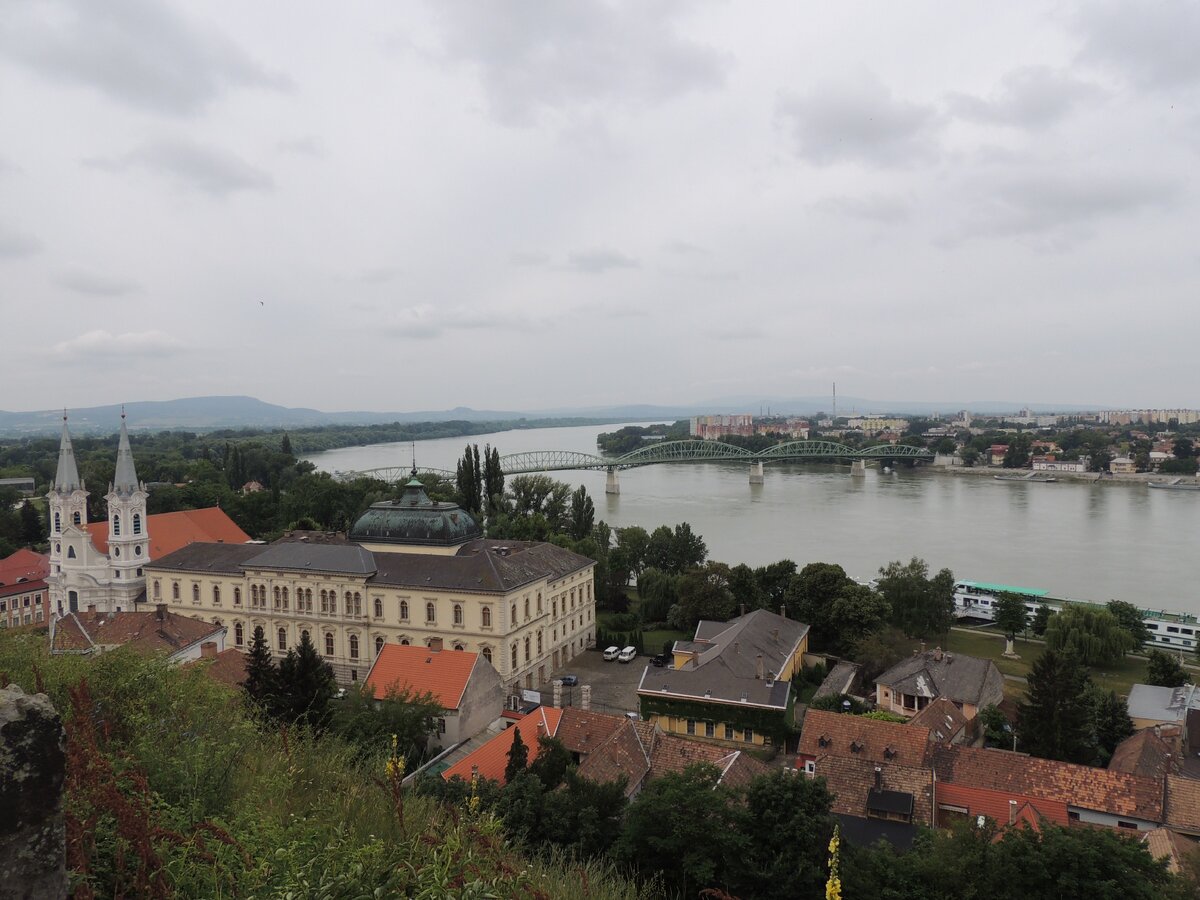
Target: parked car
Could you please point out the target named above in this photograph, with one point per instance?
(569, 680)
(627, 655)
(611, 653)
(660, 661)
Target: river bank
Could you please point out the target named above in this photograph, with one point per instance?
(1083, 477)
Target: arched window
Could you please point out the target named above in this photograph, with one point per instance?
(77, 518)
(354, 646)
(195, 593)
(238, 634)
(403, 610)
(378, 645)
(216, 594)
(57, 523)
(157, 590)
(254, 595)
(487, 653)
(116, 526)
(526, 609)
(485, 616)
(378, 608)
(285, 598)
(554, 608)
(70, 553)
(237, 596)
(539, 639)
(430, 612)
(512, 619)
(281, 635)
(404, 642)
(305, 636)
(175, 591)
(333, 603)
(458, 614)
(137, 523)
(117, 552)
(459, 647)
(308, 599)
(514, 656)
(348, 598)
(526, 648)
(328, 644)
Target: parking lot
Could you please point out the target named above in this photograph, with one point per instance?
(614, 684)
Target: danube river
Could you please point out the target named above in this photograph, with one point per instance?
(1090, 541)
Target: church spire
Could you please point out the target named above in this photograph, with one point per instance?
(125, 480)
(66, 479)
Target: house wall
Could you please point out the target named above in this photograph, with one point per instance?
(1095, 817)
(481, 705)
(30, 606)
(679, 725)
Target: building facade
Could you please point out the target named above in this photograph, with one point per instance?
(526, 607)
(24, 597)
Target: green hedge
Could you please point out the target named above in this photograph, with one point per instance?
(770, 723)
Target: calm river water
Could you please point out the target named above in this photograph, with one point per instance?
(1074, 539)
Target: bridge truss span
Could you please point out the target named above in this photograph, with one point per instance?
(682, 451)
(550, 461)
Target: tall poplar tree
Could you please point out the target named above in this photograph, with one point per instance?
(493, 478)
(469, 480)
(518, 758)
(262, 675)
(583, 514)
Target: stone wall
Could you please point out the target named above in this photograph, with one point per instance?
(32, 767)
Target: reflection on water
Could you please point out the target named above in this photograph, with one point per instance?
(1095, 541)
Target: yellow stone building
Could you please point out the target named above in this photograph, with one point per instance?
(410, 571)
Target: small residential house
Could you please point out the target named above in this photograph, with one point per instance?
(1151, 705)
(970, 683)
(181, 638)
(996, 454)
(464, 684)
(1152, 752)
(945, 722)
(1122, 465)
(24, 594)
(731, 682)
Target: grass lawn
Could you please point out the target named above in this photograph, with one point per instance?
(990, 645)
(653, 641)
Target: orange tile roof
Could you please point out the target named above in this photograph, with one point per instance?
(420, 670)
(583, 730)
(835, 734)
(995, 804)
(490, 760)
(1087, 787)
(1183, 803)
(1145, 753)
(227, 667)
(674, 754)
(143, 631)
(170, 531)
(850, 780)
(24, 564)
(1165, 843)
(621, 755)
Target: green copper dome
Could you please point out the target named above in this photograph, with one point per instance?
(415, 519)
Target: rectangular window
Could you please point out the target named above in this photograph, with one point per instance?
(710, 729)
(748, 735)
(1123, 824)
(1171, 629)
(691, 726)
(810, 768)
(729, 732)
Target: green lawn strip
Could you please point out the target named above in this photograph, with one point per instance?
(653, 641)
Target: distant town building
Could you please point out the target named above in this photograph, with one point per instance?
(22, 485)
(1122, 465)
(24, 594)
(1149, 416)
(711, 427)
(1053, 464)
(872, 425)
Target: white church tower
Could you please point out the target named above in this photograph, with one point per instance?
(128, 540)
(68, 516)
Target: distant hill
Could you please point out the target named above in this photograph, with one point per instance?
(211, 413)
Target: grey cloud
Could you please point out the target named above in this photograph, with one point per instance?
(205, 169)
(859, 120)
(96, 284)
(549, 55)
(526, 258)
(1060, 208)
(684, 248)
(736, 334)
(101, 343)
(139, 52)
(17, 244)
(379, 275)
(1152, 44)
(1033, 97)
(427, 321)
(302, 146)
(874, 207)
(599, 261)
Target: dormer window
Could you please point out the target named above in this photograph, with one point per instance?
(856, 746)
(824, 741)
(889, 752)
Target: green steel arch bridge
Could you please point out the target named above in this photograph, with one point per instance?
(532, 461)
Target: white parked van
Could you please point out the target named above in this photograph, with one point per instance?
(611, 653)
(627, 655)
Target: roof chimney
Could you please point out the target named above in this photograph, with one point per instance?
(783, 610)
(937, 654)
(435, 644)
(878, 778)
(758, 667)
(585, 697)
(742, 607)
(1012, 812)
(922, 646)
(160, 610)
(208, 650)
(91, 607)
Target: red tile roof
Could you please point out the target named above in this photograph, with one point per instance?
(995, 804)
(227, 667)
(943, 719)
(1086, 787)
(1146, 753)
(24, 564)
(836, 734)
(621, 755)
(490, 760)
(849, 780)
(1183, 803)
(170, 531)
(145, 632)
(583, 730)
(420, 670)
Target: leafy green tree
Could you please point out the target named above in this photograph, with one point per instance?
(1100, 461)
(658, 593)
(1052, 720)
(921, 606)
(969, 456)
(262, 675)
(583, 514)
(306, 685)
(518, 758)
(521, 806)
(584, 816)
(810, 595)
(688, 549)
(1183, 448)
(877, 653)
(1095, 636)
(551, 763)
(996, 728)
(285, 444)
(703, 594)
(785, 826)
(368, 723)
(1009, 614)
(1130, 618)
(1165, 670)
(32, 529)
(469, 480)
(745, 588)
(493, 479)
(1041, 619)
(1018, 453)
(856, 612)
(773, 580)
(693, 850)
(634, 540)
(1110, 721)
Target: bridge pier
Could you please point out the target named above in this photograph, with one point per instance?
(858, 468)
(612, 484)
(756, 473)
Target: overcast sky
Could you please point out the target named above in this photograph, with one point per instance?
(522, 205)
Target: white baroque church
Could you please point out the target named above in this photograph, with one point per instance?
(102, 564)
